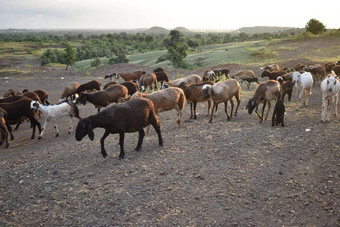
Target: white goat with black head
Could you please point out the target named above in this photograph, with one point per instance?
(55, 111)
(330, 90)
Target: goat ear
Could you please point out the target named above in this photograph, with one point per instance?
(90, 132)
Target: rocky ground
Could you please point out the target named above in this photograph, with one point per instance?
(227, 173)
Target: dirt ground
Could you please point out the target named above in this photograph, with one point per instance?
(227, 173)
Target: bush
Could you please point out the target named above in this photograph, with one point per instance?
(96, 62)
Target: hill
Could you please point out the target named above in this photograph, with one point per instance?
(262, 29)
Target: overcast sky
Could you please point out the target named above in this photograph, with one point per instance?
(192, 14)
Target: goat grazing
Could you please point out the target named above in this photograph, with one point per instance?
(131, 86)
(191, 79)
(161, 77)
(166, 99)
(130, 76)
(265, 93)
(148, 80)
(220, 72)
(243, 73)
(209, 75)
(304, 83)
(193, 95)
(65, 108)
(270, 68)
(249, 80)
(105, 97)
(9, 93)
(70, 90)
(330, 91)
(273, 75)
(279, 113)
(158, 69)
(223, 92)
(131, 116)
(93, 85)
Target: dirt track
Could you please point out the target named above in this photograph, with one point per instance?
(236, 173)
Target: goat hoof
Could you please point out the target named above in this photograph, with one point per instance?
(120, 158)
(161, 145)
(137, 149)
(235, 114)
(39, 138)
(104, 155)
(57, 135)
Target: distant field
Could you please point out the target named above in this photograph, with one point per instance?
(311, 48)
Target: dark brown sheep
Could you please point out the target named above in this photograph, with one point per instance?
(128, 117)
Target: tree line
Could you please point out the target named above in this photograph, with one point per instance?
(116, 46)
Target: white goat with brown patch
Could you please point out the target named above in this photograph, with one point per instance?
(223, 92)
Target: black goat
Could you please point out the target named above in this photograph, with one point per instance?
(249, 80)
(131, 116)
(279, 113)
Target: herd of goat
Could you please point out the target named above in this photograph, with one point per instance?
(138, 107)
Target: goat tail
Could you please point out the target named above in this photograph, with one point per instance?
(181, 101)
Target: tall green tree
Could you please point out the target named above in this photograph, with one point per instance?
(314, 26)
(70, 55)
(177, 49)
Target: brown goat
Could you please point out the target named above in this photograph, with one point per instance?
(18, 109)
(148, 80)
(265, 92)
(70, 90)
(273, 75)
(93, 85)
(193, 95)
(131, 86)
(130, 76)
(105, 97)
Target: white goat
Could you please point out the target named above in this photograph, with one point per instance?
(304, 83)
(330, 90)
(54, 111)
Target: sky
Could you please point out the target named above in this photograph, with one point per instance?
(191, 14)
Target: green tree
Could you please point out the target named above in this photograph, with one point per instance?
(314, 26)
(177, 49)
(70, 55)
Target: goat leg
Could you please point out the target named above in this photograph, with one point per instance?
(264, 106)
(43, 129)
(232, 107)
(191, 110)
(140, 139)
(212, 112)
(102, 143)
(195, 105)
(56, 127)
(121, 143)
(269, 106)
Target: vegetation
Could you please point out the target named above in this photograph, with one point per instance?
(179, 48)
(315, 27)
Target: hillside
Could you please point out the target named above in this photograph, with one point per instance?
(263, 29)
